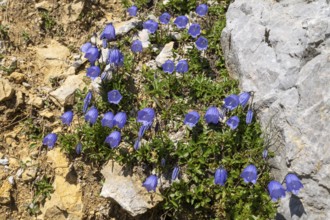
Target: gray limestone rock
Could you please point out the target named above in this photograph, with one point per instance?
(126, 189)
(281, 51)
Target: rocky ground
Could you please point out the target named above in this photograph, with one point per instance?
(39, 66)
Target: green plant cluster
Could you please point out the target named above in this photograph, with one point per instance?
(198, 151)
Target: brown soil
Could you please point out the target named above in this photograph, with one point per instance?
(25, 27)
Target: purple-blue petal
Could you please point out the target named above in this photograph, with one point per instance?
(67, 117)
(91, 115)
(201, 43)
(212, 115)
(165, 18)
(191, 119)
(181, 21)
(220, 177)
(50, 140)
(233, 122)
(113, 139)
(107, 120)
(120, 120)
(151, 183)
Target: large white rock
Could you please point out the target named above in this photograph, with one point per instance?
(281, 50)
(64, 95)
(165, 54)
(126, 190)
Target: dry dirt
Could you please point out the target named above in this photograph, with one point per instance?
(39, 40)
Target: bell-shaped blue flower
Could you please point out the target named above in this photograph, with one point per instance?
(168, 66)
(79, 148)
(92, 54)
(93, 72)
(67, 117)
(120, 120)
(244, 98)
(137, 144)
(202, 9)
(107, 120)
(249, 116)
(146, 116)
(114, 97)
(84, 48)
(165, 18)
(293, 183)
(151, 183)
(220, 176)
(136, 46)
(115, 57)
(201, 43)
(231, 102)
(233, 122)
(108, 34)
(132, 11)
(194, 30)
(181, 21)
(276, 190)
(50, 140)
(191, 119)
(142, 130)
(212, 115)
(91, 115)
(151, 26)
(87, 100)
(175, 173)
(113, 139)
(250, 174)
(182, 66)
(265, 154)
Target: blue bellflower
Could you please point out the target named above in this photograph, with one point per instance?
(115, 57)
(113, 139)
(136, 46)
(50, 140)
(220, 177)
(168, 66)
(79, 148)
(202, 9)
(93, 72)
(233, 122)
(84, 48)
(120, 120)
(191, 119)
(250, 174)
(108, 34)
(194, 30)
(165, 18)
(244, 98)
(181, 21)
(142, 130)
(201, 43)
(249, 116)
(151, 26)
(67, 117)
(137, 144)
(91, 115)
(276, 190)
(107, 120)
(146, 116)
(92, 54)
(151, 183)
(114, 97)
(132, 11)
(175, 173)
(231, 102)
(293, 183)
(182, 66)
(265, 154)
(212, 115)
(87, 100)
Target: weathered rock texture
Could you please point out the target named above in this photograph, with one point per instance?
(281, 50)
(126, 189)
